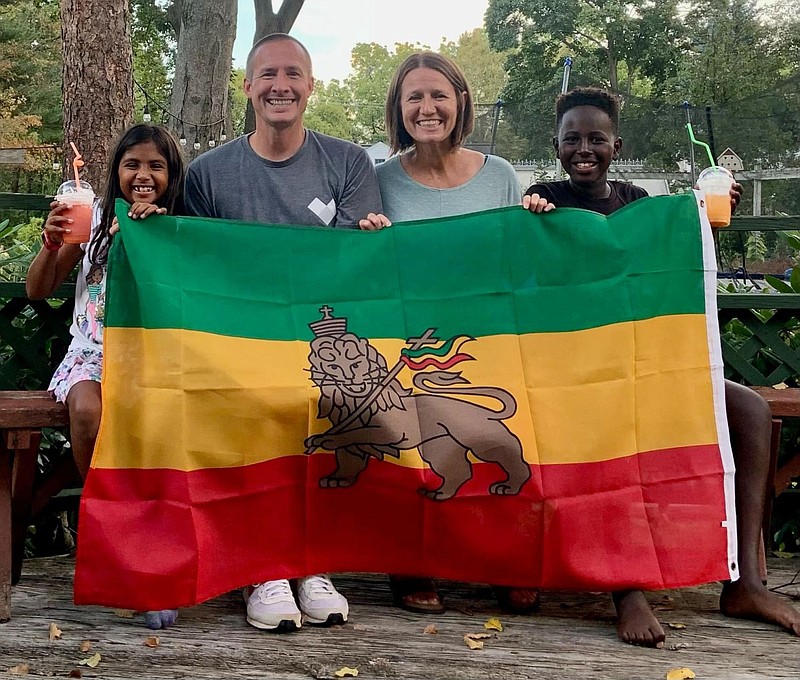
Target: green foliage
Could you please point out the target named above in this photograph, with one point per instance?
(18, 246)
(153, 43)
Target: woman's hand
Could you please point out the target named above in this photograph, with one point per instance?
(141, 210)
(536, 203)
(57, 224)
(374, 222)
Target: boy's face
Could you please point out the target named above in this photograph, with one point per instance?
(586, 145)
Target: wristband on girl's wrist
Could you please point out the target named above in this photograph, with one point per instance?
(48, 244)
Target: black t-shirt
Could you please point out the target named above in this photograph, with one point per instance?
(562, 195)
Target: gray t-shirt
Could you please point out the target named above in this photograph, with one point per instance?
(328, 182)
(495, 185)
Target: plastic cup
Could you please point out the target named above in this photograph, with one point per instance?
(715, 183)
(79, 200)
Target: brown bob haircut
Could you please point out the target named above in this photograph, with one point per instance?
(399, 138)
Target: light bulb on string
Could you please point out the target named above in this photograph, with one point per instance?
(56, 165)
(212, 143)
(196, 140)
(146, 117)
(182, 140)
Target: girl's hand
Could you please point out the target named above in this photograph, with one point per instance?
(536, 204)
(57, 224)
(374, 222)
(114, 228)
(141, 210)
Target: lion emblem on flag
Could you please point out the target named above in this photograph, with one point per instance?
(373, 415)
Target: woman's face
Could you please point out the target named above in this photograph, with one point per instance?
(429, 106)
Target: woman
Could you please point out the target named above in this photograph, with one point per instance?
(429, 114)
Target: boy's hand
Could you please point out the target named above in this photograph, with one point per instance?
(736, 195)
(374, 222)
(57, 224)
(142, 210)
(536, 204)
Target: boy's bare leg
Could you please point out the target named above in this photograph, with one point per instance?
(84, 405)
(636, 623)
(749, 422)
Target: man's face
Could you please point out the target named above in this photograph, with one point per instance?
(586, 144)
(280, 83)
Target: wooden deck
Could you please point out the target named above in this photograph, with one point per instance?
(572, 637)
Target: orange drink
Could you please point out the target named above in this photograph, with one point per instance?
(715, 183)
(79, 201)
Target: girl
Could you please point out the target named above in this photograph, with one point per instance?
(146, 169)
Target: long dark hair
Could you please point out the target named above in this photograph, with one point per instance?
(172, 199)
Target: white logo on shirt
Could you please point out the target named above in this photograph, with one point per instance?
(325, 212)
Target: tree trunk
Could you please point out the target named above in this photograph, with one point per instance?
(268, 22)
(97, 81)
(199, 102)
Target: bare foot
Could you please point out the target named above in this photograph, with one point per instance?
(636, 623)
(517, 600)
(748, 600)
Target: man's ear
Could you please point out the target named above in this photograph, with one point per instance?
(246, 87)
(617, 147)
(555, 144)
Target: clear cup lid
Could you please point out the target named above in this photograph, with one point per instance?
(716, 172)
(71, 187)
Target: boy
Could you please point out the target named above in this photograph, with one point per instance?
(587, 140)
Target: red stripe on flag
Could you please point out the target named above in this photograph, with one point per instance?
(625, 523)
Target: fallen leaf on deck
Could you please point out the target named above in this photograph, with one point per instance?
(473, 644)
(152, 641)
(663, 607)
(346, 672)
(677, 626)
(677, 646)
(430, 629)
(124, 613)
(681, 674)
(780, 386)
(494, 624)
(479, 636)
(86, 645)
(91, 661)
(75, 673)
(55, 632)
(19, 669)
(359, 626)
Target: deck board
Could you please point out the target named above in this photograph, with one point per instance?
(572, 637)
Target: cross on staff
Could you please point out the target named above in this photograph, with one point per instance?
(427, 338)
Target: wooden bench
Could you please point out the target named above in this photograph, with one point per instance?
(783, 403)
(22, 417)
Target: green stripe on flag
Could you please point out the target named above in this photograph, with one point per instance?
(501, 271)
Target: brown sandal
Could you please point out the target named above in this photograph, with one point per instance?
(411, 593)
(517, 600)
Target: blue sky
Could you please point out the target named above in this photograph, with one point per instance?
(331, 28)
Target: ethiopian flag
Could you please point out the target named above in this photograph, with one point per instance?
(500, 397)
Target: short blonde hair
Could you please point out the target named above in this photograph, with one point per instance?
(399, 137)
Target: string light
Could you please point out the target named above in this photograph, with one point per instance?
(56, 165)
(166, 115)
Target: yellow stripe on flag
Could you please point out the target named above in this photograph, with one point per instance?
(211, 393)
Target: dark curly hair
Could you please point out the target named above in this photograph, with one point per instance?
(588, 96)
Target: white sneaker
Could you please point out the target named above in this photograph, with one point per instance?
(320, 602)
(271, 606)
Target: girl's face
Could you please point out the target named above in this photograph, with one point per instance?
(429, 106)
(143, 174)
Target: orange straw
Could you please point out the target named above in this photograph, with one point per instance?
(76, 163)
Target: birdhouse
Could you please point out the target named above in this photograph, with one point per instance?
(728, 159)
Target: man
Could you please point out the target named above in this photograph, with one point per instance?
(285, 174)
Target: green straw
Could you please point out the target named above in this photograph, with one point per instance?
(699, 143)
